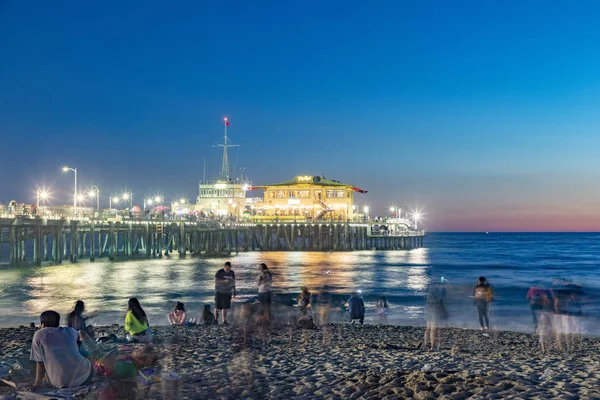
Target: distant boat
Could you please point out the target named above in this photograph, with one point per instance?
(487, 233)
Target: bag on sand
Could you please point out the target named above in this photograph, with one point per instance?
(306, 322)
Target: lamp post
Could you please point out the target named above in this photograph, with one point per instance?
(416, 218)
(113, 199)
(128, 196)
(67, 169)
(148, 202)
(43, 195)
(366, 210)
(95, 192)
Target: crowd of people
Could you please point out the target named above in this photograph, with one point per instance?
(69, 356)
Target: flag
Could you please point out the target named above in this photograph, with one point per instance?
(227, 123)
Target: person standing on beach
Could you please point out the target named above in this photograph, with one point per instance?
(482, 296)
(435, 313)
(538, 302)
(264, 280)
(224, 291)
(303, 300)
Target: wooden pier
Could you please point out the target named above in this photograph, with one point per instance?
(35, 241)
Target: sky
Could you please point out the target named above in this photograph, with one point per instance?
(483, 114)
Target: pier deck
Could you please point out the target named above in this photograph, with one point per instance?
(36, 240)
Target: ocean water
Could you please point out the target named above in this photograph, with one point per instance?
(511, 262)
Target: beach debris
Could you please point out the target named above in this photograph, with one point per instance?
(548, 374)
(426, 368)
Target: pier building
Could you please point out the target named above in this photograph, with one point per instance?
(225, 196)
(307, 198)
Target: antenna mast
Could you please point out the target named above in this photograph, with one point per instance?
(225, 168)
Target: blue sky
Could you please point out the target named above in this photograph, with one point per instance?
(483, 113)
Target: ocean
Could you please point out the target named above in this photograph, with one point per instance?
(512, 262)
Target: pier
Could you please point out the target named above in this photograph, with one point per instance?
(33, 241)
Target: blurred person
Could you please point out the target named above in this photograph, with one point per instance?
(544, 331)
(539, 300)
(136, 323)
(265, 280)
(57, 356)
(382, 310)
(224, 291)
(482, 297)
(303, 300)
(78, 320)
(356, 308)
(178, 316)
(435, 313)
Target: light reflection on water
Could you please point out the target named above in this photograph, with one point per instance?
(158, 283)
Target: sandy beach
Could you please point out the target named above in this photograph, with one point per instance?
(342, 361)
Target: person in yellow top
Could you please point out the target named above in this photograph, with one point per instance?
(136, 323)
(482, 297)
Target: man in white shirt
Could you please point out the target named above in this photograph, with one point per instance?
(57, 356)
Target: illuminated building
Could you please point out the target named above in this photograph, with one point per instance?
(307, 198)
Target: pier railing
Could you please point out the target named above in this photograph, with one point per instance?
(37, 240)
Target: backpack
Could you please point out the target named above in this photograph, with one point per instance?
(483, 293)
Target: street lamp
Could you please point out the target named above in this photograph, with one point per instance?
(67, 169)
(148, 202)
(42, 194)
(80, 197)
(416, 217)
(95, 192)
(128, 196)
(158, 199)
(111, 200)
(366, 210)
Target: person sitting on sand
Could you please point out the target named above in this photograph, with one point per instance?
(303, 300)
(78, 321)
(482, 297)
(356, 308)
(382, 310)
(57, 356)
(136, 323)
(177, 316)
(207, 315)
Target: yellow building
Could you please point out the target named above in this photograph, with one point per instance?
(307, 198)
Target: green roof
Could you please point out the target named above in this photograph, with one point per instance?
(310, 180)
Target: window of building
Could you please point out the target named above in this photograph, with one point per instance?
(271, 195)
(300, 194)
(335, 194)
(281, 194)
(318, 194)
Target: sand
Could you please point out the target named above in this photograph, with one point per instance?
(342, 361)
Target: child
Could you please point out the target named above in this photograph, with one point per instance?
(544, 331)
(382, 310)
(177, 316)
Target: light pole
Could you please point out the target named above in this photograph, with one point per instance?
(416, 217)
(148, 202)
(366, 210)
(43, 195)
(113, 199)
(128, 196)
(67, 169)
(95, 192)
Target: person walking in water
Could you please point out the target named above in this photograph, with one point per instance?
(224, 290)
(482, 296)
